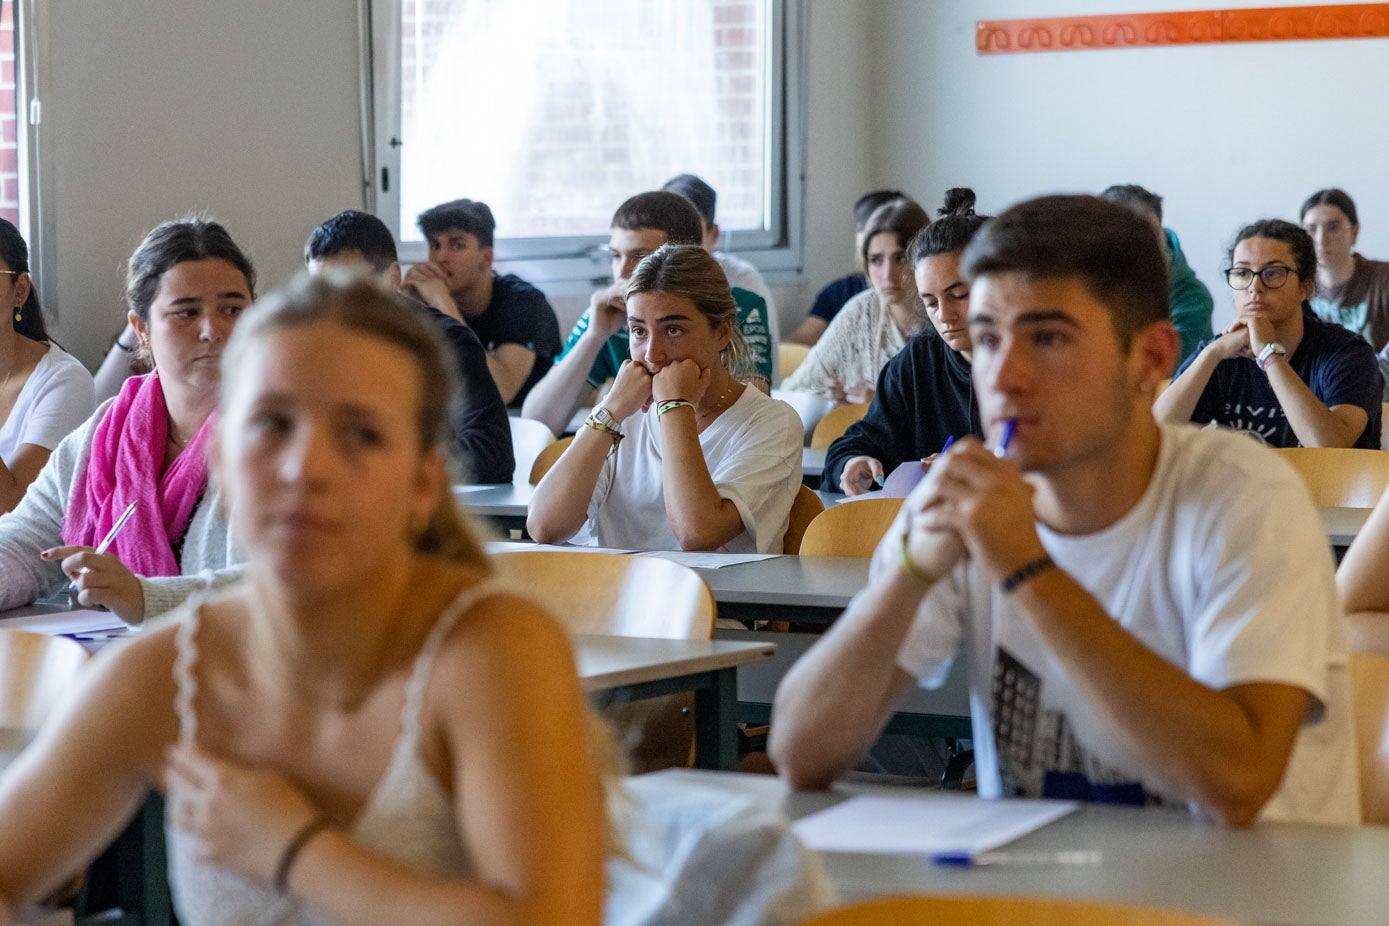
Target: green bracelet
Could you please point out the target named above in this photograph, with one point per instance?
(671, 405)
(910, 569)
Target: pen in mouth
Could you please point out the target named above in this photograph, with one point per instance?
(1009, 428)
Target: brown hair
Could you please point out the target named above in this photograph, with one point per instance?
(901, 217)
(689, 271)
(361, 305)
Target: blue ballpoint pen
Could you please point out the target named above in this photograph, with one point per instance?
(1010, 427)
(985, 859)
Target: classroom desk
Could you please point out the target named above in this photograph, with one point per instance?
(1343, 524)
(812, 465)
(615, 670)
(503, 504)
(1274, 873)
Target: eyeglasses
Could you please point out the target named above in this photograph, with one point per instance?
(1274, 276)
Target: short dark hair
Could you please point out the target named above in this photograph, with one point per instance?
(465, 215)
(1106, 245)
(952, 231)
(172, 243)
(1131, 195)
(353, 230)
(1294, 236)
(900, 217)
(14, 251)
(1331, 197)
(665, 212)
(869, 202)
(697, 192)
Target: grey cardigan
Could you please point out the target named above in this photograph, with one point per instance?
(207, 560)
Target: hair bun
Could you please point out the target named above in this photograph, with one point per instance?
(958, 201)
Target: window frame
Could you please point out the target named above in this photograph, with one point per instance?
(573, 265)
(32, 74)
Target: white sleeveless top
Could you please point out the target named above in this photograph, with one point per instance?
(408, 816)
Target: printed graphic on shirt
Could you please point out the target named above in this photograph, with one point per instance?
(1267, 422)
(1038, 753)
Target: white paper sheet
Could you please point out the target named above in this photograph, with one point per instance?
(925, 824)
(709, 560)
(510, 546)
(66, 622)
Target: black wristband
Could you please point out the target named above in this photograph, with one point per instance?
(1024, 572)
(293, 848)
(122, 346)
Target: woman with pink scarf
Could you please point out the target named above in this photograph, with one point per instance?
(187, 285)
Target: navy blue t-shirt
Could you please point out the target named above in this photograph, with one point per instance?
(520, 314)
(1337, 365)
(832, 298)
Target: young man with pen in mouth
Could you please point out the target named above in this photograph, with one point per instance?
(1148, 612)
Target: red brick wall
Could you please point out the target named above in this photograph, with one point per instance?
(9, 148)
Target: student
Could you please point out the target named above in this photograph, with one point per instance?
(680, 454)
(366, 730)
(598, 345)
(1351, 290)
(187, 285)
(845, 362)
(1148, 610)
(511, 318)
(481, 431)
(45, 392)
(836, 294)
(1278, 370)
(924, 395)
(741, 273)
(1191, 302)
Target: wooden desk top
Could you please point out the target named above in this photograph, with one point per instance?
(609, 662)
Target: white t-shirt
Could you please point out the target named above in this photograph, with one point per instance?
(57, 397)
(753, 451)
(1222, 569)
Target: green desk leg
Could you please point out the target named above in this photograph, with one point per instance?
(716, 714)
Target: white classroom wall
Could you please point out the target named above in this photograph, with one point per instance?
(248, 109)
(245, 109)
(1225, 133)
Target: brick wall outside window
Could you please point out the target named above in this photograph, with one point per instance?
(554, 111)
(9, 144)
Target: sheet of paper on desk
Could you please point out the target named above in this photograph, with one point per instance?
(924, 824)
(510, 546)
(709, 560)
(66, 622)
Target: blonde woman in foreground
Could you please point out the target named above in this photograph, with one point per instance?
(365, 730)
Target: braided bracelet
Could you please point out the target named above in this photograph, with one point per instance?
(1024, 572)
(292, 849)
(671, 405)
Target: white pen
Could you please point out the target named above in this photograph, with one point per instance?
(983, 859)
(110, 536)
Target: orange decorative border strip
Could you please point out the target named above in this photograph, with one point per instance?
(1196, 27)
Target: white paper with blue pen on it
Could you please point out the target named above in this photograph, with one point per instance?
(926, 824)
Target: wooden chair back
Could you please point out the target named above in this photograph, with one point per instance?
(614, 593)
(805, 509)
(789, 356)
(835, 423)
(35, 670)
(850, 528)
(1340, 477)
(547, 457)
(1369, 680)
(633, 596)
(949, 910)
(528, 439)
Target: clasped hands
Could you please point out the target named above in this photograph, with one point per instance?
(1245, 337)
(635, 387)
(971, 503)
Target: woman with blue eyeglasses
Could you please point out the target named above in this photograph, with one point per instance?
(1278, 370)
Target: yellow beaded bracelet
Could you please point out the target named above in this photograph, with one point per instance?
(910, 569)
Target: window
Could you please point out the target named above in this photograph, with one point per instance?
(554, 111)
(9, 121)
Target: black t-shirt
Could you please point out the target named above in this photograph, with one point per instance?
(924, 396)
(481, 429)
(832, 298)
(520, 314)
(1337, 365)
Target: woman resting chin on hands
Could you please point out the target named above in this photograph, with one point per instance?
(680, 455)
